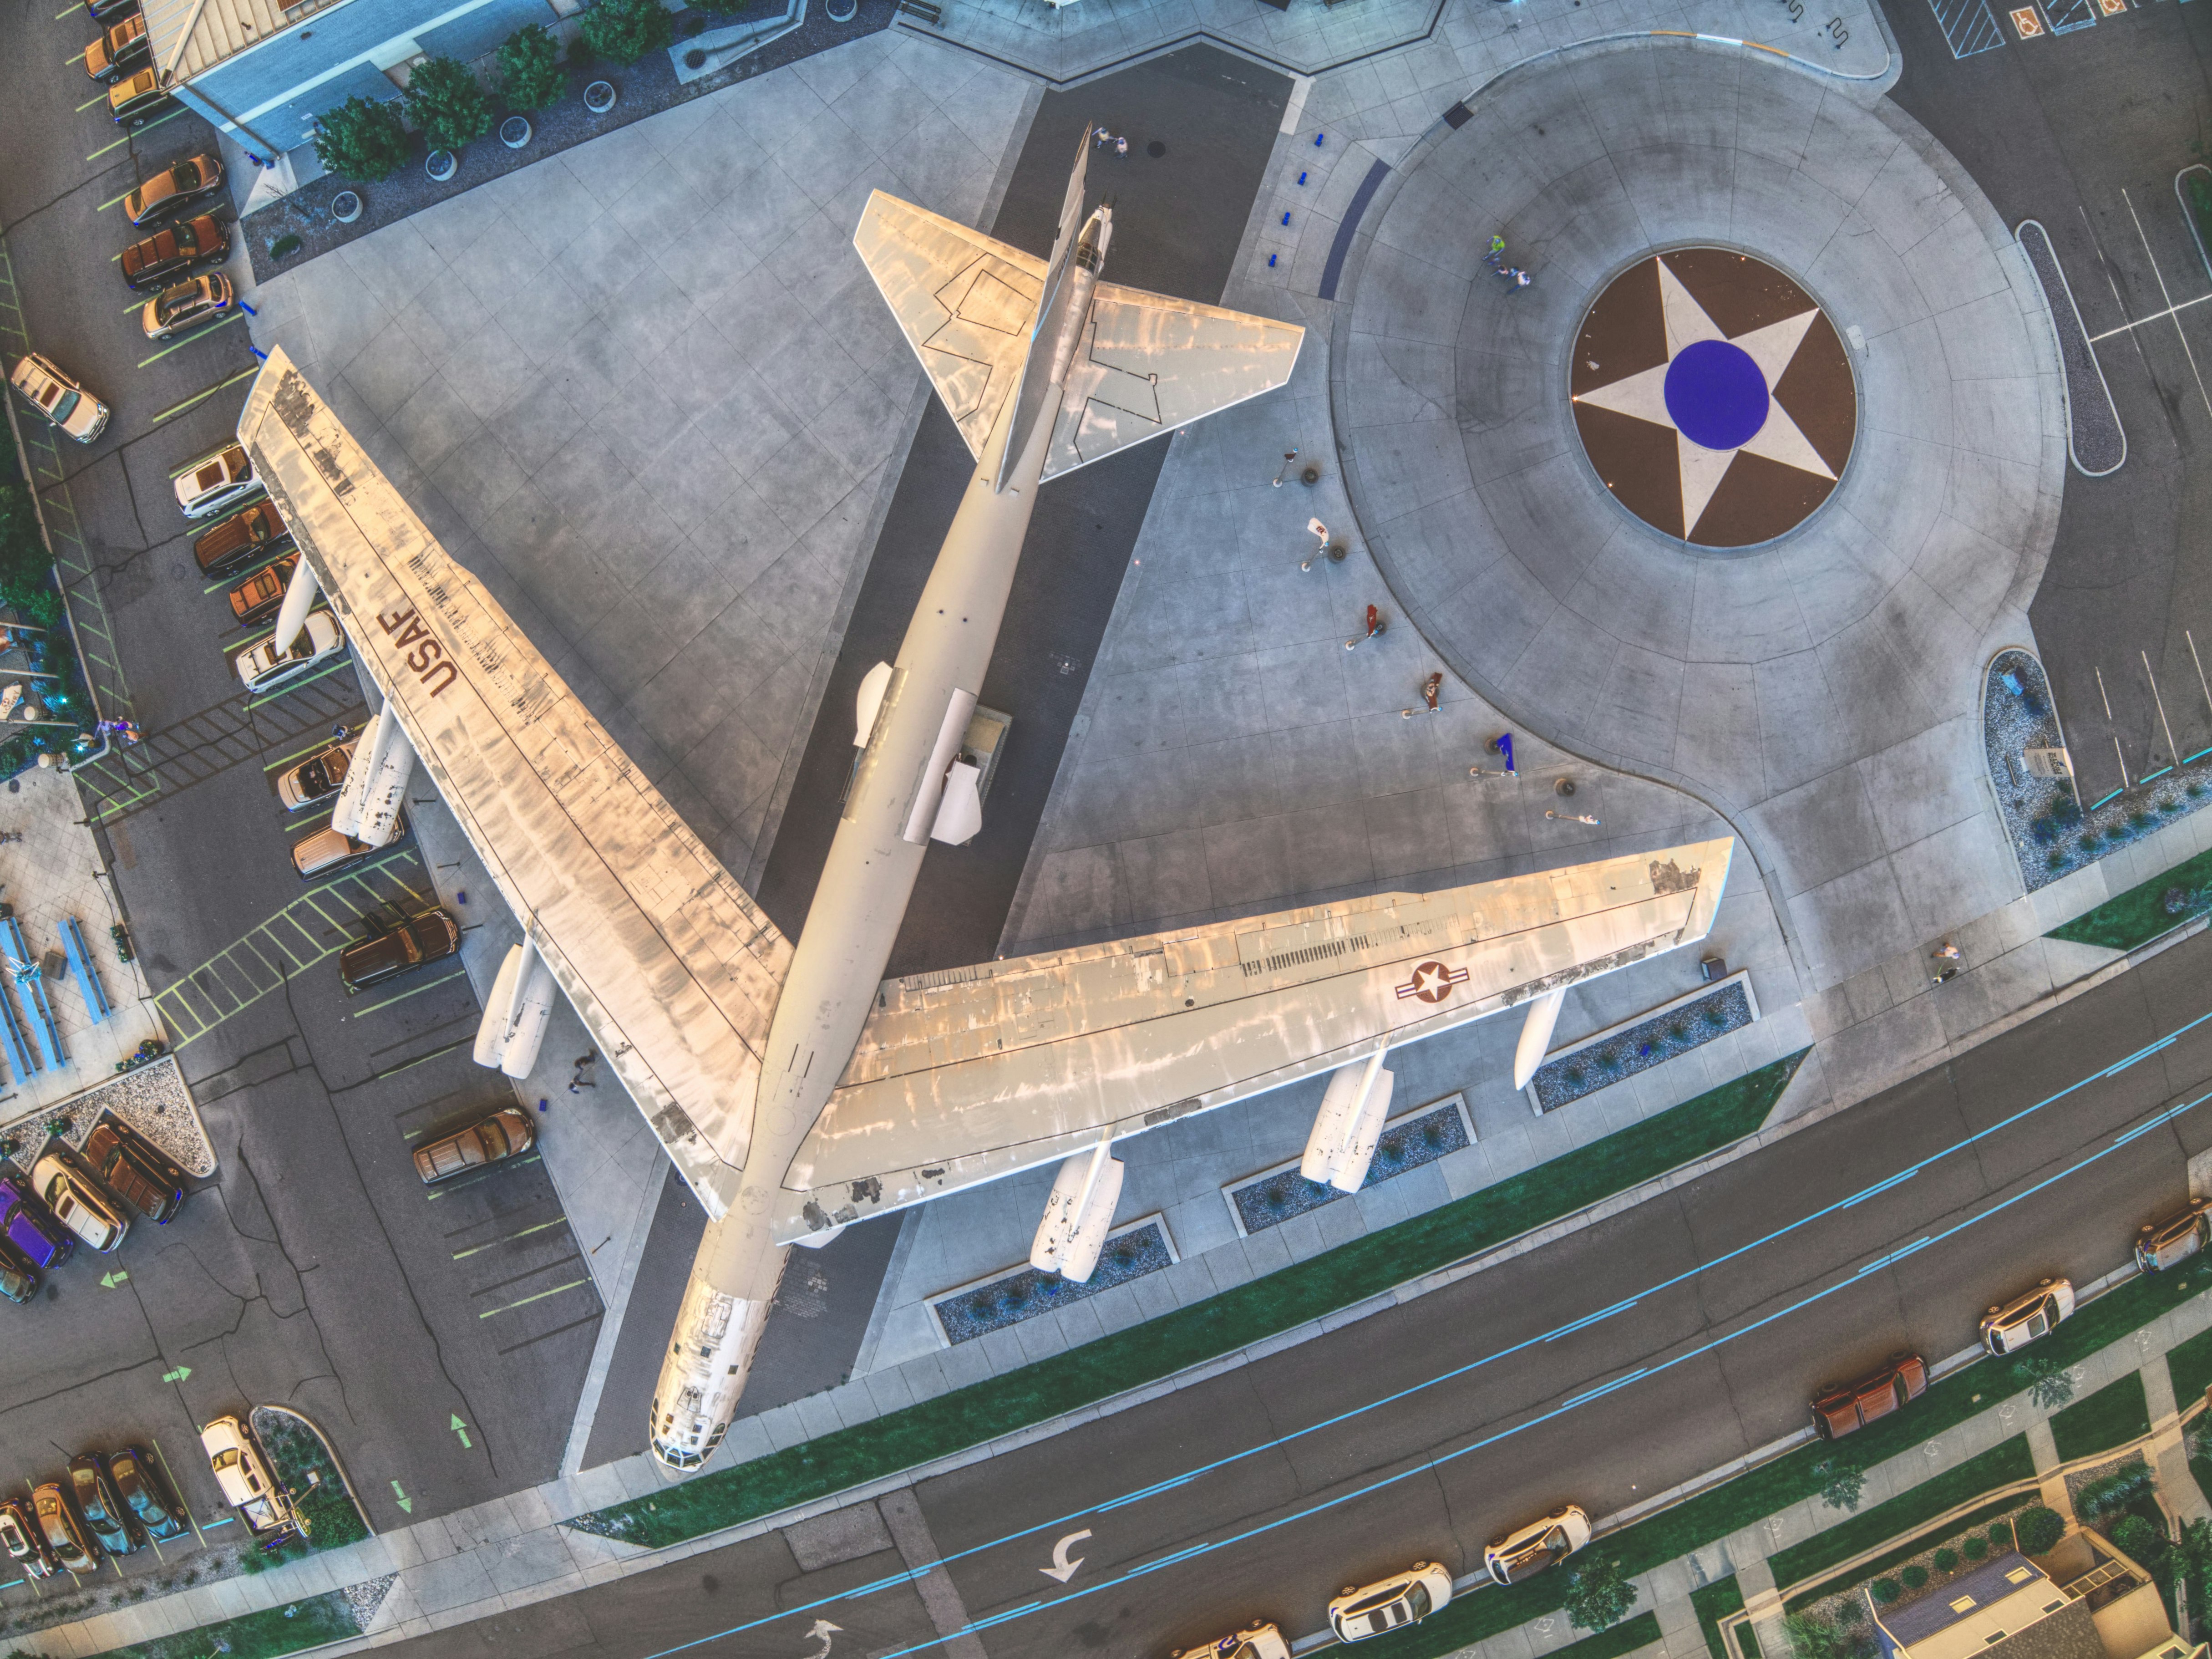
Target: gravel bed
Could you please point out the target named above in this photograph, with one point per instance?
(647, 88)
(365, 1598)
(151, 1099)
(2093, 433)
(1026, 1293)
(2049, 835)
(1408, 1145)
(1642, 1046)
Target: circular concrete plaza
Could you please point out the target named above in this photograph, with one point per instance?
(1712, 396)
(1683, 211)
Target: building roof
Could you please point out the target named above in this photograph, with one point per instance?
(1971, 1597)
(188, 36)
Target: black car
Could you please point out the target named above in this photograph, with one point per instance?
(175, 252)
(429, 937)
(19, 1281)
(109, 11)
(25, 1546)
(115, 1526)
(146, 1496)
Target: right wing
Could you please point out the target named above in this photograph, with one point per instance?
(674, 969)
(967, 304)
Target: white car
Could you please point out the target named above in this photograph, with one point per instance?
(2023, 1318)
(1403, 1598)
(316, 778)
(78, 1204)
(1261, 1641)
(1526, 1551)
(78, 414)
(264, 668)
(247, 1486)
(217, 481)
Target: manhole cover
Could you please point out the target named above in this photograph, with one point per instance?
(1713, 396)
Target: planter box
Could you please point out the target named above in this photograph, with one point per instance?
(1401, 1134)
(1700, 1034)
(968, 1311)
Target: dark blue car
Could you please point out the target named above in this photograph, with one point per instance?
(25, 1223)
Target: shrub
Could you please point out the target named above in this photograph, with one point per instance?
(1850, 1611)
(2001, 1536)
(447, 106)
(624, 31)
(1975, 1546)
(26, 576)
(2038, 1529)
(1598, 1595)
(1814, 1638)
(530, 72)
(2115, 1492)
(1915, 1575)
(362, 140)
(720, 8)
(1843, 1480)
(2140, 1541)
(284, 247)
(1947, 1560)
(1886, 1590)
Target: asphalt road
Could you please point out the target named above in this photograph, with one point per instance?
(2084, 132)
(1178, 217)
(1606, 1453)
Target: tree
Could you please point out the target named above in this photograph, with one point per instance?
(625, 30)
(2039, 1528)
(1598, 1595)
(363, 140)
(2139, 1541)
(2045, 1380)
(530, 72)
(26, 580)
(446, 104)
(1816, 1638)
(1843, 1480)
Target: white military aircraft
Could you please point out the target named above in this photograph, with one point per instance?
(796, 1090)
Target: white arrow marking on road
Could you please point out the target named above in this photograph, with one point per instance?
(1061, 1567)
(821, 1632)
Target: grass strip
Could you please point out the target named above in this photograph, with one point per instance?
(1713, 1603)
(2137, 915)
(2114, 1415)
(1913, 1546)
(2006, 1461)
(1335, 1279)
(2190, 1364)
(264, 1635)
(1448, 1632)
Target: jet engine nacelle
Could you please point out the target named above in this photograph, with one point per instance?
(516, 1013)
(386, 792)
(353, 791)
(1536, 1035)
(1348, 1125)
(1078, 1215)
(299, 595)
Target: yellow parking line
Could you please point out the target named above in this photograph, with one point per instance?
(87, 104)
(318, 745)
(189, 339)
(443, 979)
(79, 58)
(128, 136)
(524, 1303)
(110, 202)
(179, 409)
(138, 304)
(437, 1193)
(459, 1255)
(63, 13)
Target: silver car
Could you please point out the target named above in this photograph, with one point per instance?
(216, 482)
(78, 414)
(78, 1203)
(1526, 1551)
(264, 668)
(2005, 1329)
(1403, 1598)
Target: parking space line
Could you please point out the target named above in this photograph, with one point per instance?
(475, 1249)
(128, 136)
(540, 1297)
(80, 110)
(63, 13)
(443, 979)
(321, 673)
(296, 754)
(433, 1196)
(179, 345)
(2167, 297)
(78, 58)
(196, 397)
(110, 202)
(435, 1053)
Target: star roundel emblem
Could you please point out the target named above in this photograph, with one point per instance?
(1432, 982)
(1713, 397)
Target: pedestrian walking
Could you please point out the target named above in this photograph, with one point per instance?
(1945, 952)
(1516, 278)
(1495, 257)
(1430, 689)
(581, 1078)
(1375, 626)
(1120, 146)
(340, 732)
(1571, 817)
(1102, 138)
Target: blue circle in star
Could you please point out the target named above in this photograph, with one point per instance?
(1716, 394)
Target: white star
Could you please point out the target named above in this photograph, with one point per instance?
(1643, 397)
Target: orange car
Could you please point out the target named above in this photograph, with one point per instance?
(1838, 1412)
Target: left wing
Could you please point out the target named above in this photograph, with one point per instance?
(966, 1075)
(1149, 363)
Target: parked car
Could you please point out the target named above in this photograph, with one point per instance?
(25, 1544)
(217, 481)
(1261, 1641)
(506, 1133)
(264, 668)
(146, 1495)
(18, 1282)
(118, 51)
(247, 1486)
(1838, 1411)
(1526, 1551)
(174, 188)
(63, 1531)
(26, 1224)
(316, 778)
(97, 1501)
(251, 534)
(1403, 1598)
(2020, 1321)
(327, 849)
(65, 403)
(429, 937)
(175, 251)
(2170, 1242)
(137, 100)
(107, 11)
(259, 598)
(134, 1170)
(78, 1203)
(189, 303)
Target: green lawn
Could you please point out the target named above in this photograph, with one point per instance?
(1454, 1628)
(2190, 1364)
(1973, 1521)
(1713, 1603)
(1281, 1301)
(2112, 1417)
(2001, 1464)
(2137, 915)
(264, 1635)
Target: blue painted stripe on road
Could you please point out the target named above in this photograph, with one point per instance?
(1588, 1320)
(1584, 1398)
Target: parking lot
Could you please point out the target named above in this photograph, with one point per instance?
(439, 1337)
